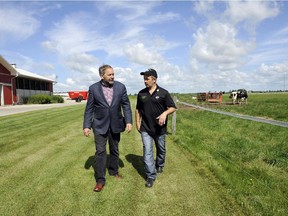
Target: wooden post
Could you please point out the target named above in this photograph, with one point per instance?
(174, 117)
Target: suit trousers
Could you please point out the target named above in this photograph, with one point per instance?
(101, 155)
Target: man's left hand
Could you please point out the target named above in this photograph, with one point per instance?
(162, 119)
(128, 127)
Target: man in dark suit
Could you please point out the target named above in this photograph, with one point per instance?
(107, 101)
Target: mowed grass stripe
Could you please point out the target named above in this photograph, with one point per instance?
(37, 150)
(30, 124)
(41, 169)
(25, 142)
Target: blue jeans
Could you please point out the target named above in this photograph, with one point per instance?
(148, 156)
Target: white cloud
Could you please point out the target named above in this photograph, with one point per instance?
(17, 24)
(70, 81)
(131, 79)
(282, 32)
(223, 46)
(81, 62)
(218, 45)
(273, 70)
(51, 76)
(61, 87)
(140, 54)
(252, 12)
(127, 12)
(73, 35)
(204, 7)
(272, 50)
(277, 38)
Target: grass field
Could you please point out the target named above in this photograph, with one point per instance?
(266, 105)
(250, 159)
(215, 166)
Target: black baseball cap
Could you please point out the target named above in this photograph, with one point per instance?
(150, 72)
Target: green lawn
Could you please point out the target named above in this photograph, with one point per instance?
(249, 158)
(46, 168)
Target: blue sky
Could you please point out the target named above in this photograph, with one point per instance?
(195, 46)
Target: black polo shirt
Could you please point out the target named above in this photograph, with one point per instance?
(151, 106)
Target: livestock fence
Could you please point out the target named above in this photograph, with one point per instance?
(252, 118)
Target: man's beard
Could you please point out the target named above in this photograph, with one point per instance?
(108, 83)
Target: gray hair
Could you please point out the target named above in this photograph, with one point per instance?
(103, 68)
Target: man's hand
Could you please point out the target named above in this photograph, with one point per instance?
(138, 125)
(128, 127)
(86, 132)
(162, 119)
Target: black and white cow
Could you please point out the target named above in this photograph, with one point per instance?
(239, 96)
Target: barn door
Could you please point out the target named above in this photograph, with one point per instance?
(7, 91)
(1, 95)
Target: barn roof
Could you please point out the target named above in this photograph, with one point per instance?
(9, 67)
(22, 73)
(27, 74)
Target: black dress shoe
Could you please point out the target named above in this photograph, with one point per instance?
(149, 182)
(159, 169)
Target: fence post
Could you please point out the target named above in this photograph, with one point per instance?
(174, 117)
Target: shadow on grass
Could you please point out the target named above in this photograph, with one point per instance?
(90, 162)
(137, 163)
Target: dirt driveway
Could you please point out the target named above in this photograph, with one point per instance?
(10, 110)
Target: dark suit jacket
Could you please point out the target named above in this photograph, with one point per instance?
(100, 116)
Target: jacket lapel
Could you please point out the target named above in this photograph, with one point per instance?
(100, 90)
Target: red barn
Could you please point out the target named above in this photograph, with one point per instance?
(16, 84)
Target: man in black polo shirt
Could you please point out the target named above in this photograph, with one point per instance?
(154, 104)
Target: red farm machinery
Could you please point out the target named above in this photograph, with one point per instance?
(78, 96)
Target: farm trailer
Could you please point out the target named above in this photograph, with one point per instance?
(78, 96)
(211, 97)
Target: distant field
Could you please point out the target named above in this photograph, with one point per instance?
(266, 105)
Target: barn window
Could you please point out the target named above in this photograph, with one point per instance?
(22, 83)
(46, 86)
(42, 85)
(19, 83)
(26, 84)
(37, 85)
(32, 84)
